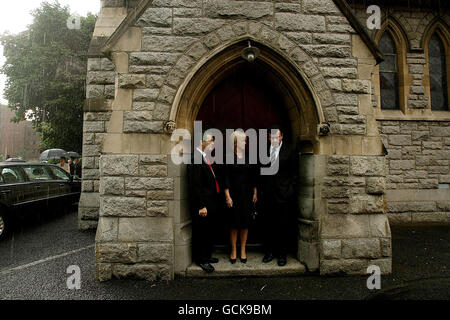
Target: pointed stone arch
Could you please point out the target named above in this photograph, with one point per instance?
(222, 46)
(397, 30)
(436, 24)
(208, 60)
(441, 28)
(400, 37)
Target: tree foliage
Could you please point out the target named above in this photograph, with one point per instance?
(46, 74)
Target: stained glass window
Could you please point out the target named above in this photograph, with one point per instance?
(438, 74)
(388, 73)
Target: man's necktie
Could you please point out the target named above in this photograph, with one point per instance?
(273, 156)
(210, 167)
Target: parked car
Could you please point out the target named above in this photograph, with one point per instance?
(26, 188)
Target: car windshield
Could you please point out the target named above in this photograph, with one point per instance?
(60, 174)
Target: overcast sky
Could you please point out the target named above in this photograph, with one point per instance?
(15, 16)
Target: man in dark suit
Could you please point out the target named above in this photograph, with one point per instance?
(75, 168)
(278, 192)
(204, 191)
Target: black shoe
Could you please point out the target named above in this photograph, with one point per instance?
(268, 257)
(206, 267)
(213, 260)
(233, 261)
(282, 261)
(243, 260)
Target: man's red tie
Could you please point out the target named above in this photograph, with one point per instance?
(209, 164)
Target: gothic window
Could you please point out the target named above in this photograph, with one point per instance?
(389, 73)
(438, 74)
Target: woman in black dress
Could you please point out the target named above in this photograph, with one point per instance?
(240, 194)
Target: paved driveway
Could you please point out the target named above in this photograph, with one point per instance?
(35, 259)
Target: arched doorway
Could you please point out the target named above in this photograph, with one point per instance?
(245, 99)
(273, 69)
(270, 90)
(248, 99)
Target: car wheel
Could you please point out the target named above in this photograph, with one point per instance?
(3, 226)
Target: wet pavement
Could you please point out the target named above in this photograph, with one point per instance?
(420, 264)
(35, 259)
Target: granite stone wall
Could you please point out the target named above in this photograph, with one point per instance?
(100, 83)
(416, 139)
(419, 163)
(133, 186)
(356, 232)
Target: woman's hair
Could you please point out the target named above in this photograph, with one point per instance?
(237, 135)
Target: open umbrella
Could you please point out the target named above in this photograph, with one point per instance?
(72, 154)
(52, 154)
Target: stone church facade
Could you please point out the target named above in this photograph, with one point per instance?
(152, 64)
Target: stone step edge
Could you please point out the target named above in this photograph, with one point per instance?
(275, 272)
(251, 269)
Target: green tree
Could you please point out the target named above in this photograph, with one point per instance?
(46, 74)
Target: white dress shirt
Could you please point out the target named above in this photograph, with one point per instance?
(203, 153)
(276, 150)
(206, 161)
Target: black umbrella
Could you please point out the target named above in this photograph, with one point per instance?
(52, 154)
(72, 154)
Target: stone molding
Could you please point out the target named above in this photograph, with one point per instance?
(289, 50)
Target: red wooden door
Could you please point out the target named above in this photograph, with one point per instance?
(243, 100)
(246, 99)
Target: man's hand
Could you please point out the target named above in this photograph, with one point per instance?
(203, 212)
(229, 202)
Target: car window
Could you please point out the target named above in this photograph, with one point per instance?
(37, 173)
(11, 175)
(60, 173)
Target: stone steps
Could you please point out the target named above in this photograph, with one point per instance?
(253, 268)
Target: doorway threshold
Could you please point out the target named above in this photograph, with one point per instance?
(253, 268)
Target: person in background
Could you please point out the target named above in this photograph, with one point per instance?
(76, 168)
(63, 164)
